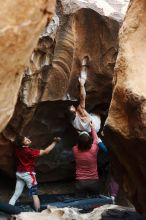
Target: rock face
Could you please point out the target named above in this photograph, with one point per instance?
(105, 212)
(111, 8)
(102, 55)
(18, 20)
(53, 77)
(125, 129)
(51, 80)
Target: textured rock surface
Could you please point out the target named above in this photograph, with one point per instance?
(106, 212)
(51, 80)
(126, 124)
(102, 55)
(18, 20)
(47, 119)
(111, 8)
(35, 75)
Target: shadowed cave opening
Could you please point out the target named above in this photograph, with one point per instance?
(56, 171)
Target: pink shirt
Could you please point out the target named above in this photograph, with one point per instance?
(86, 161)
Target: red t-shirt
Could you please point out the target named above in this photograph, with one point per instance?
(26, 158)
(86, 161)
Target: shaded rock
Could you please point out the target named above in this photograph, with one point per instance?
(47, 121)
(18, 20)
(102, 56)
(125, 129)
(121, 213)
(7, 160)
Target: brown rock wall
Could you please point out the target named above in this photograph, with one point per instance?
(18, 20)
(73, 41)
(96, 37)
(125, 129)
(47, 119)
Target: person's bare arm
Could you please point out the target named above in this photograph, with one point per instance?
(50, 147)
(93, 132)
(82, 80)
(82, 96)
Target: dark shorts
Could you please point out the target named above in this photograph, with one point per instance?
(33, 190)
(89, 186)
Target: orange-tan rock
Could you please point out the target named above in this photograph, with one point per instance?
(20, 25)
(125, 129)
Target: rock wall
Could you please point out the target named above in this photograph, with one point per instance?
(40, 118)
(18, 20)
(110, 8)
(125, 129)
(53, 80)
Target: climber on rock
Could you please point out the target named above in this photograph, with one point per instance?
(81, 118)
(25, 174)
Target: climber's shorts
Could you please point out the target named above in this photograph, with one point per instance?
(30, 180)
(33, 190)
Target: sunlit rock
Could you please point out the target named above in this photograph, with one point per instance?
(21, 22)
(110, 8)
(125, 129)
(109, 212)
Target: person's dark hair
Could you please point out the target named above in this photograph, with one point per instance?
(84, 142)
(19, 141)
(69, 115)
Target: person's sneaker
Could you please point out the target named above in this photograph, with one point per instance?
(83, 75)
(113, 199)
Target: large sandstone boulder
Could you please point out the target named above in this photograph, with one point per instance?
(20, 25)
(125, 129)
